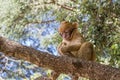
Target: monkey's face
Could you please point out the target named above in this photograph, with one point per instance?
(66, 30)
(67, 34)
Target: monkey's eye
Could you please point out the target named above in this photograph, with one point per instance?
(60, 34)
(66, 31)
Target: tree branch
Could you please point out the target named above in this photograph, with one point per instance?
(40, 22)
(66, 7)
(74, 1)
(91, 70)
(62, 6)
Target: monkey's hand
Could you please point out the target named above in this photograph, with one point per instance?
(60, 48)
(64, 49)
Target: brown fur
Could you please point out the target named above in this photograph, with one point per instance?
(73, 43)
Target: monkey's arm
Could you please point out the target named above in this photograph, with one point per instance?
(70, 48)
(59, 49)
(64, 52)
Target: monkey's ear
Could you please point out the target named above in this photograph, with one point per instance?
(75, 24)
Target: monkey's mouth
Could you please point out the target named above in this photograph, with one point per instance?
(67, 37)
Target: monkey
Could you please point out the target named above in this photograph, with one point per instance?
(73, 43)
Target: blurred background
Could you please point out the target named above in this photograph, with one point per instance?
(34, 23)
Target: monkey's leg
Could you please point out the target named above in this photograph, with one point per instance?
(86, 51)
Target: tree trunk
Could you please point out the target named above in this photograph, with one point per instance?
(88, 69)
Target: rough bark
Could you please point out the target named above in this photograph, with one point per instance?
(91, 70)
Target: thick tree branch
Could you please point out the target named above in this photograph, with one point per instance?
(65, 65)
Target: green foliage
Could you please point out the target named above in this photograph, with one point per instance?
(102, 26)
(99, 22)
(11, 17)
